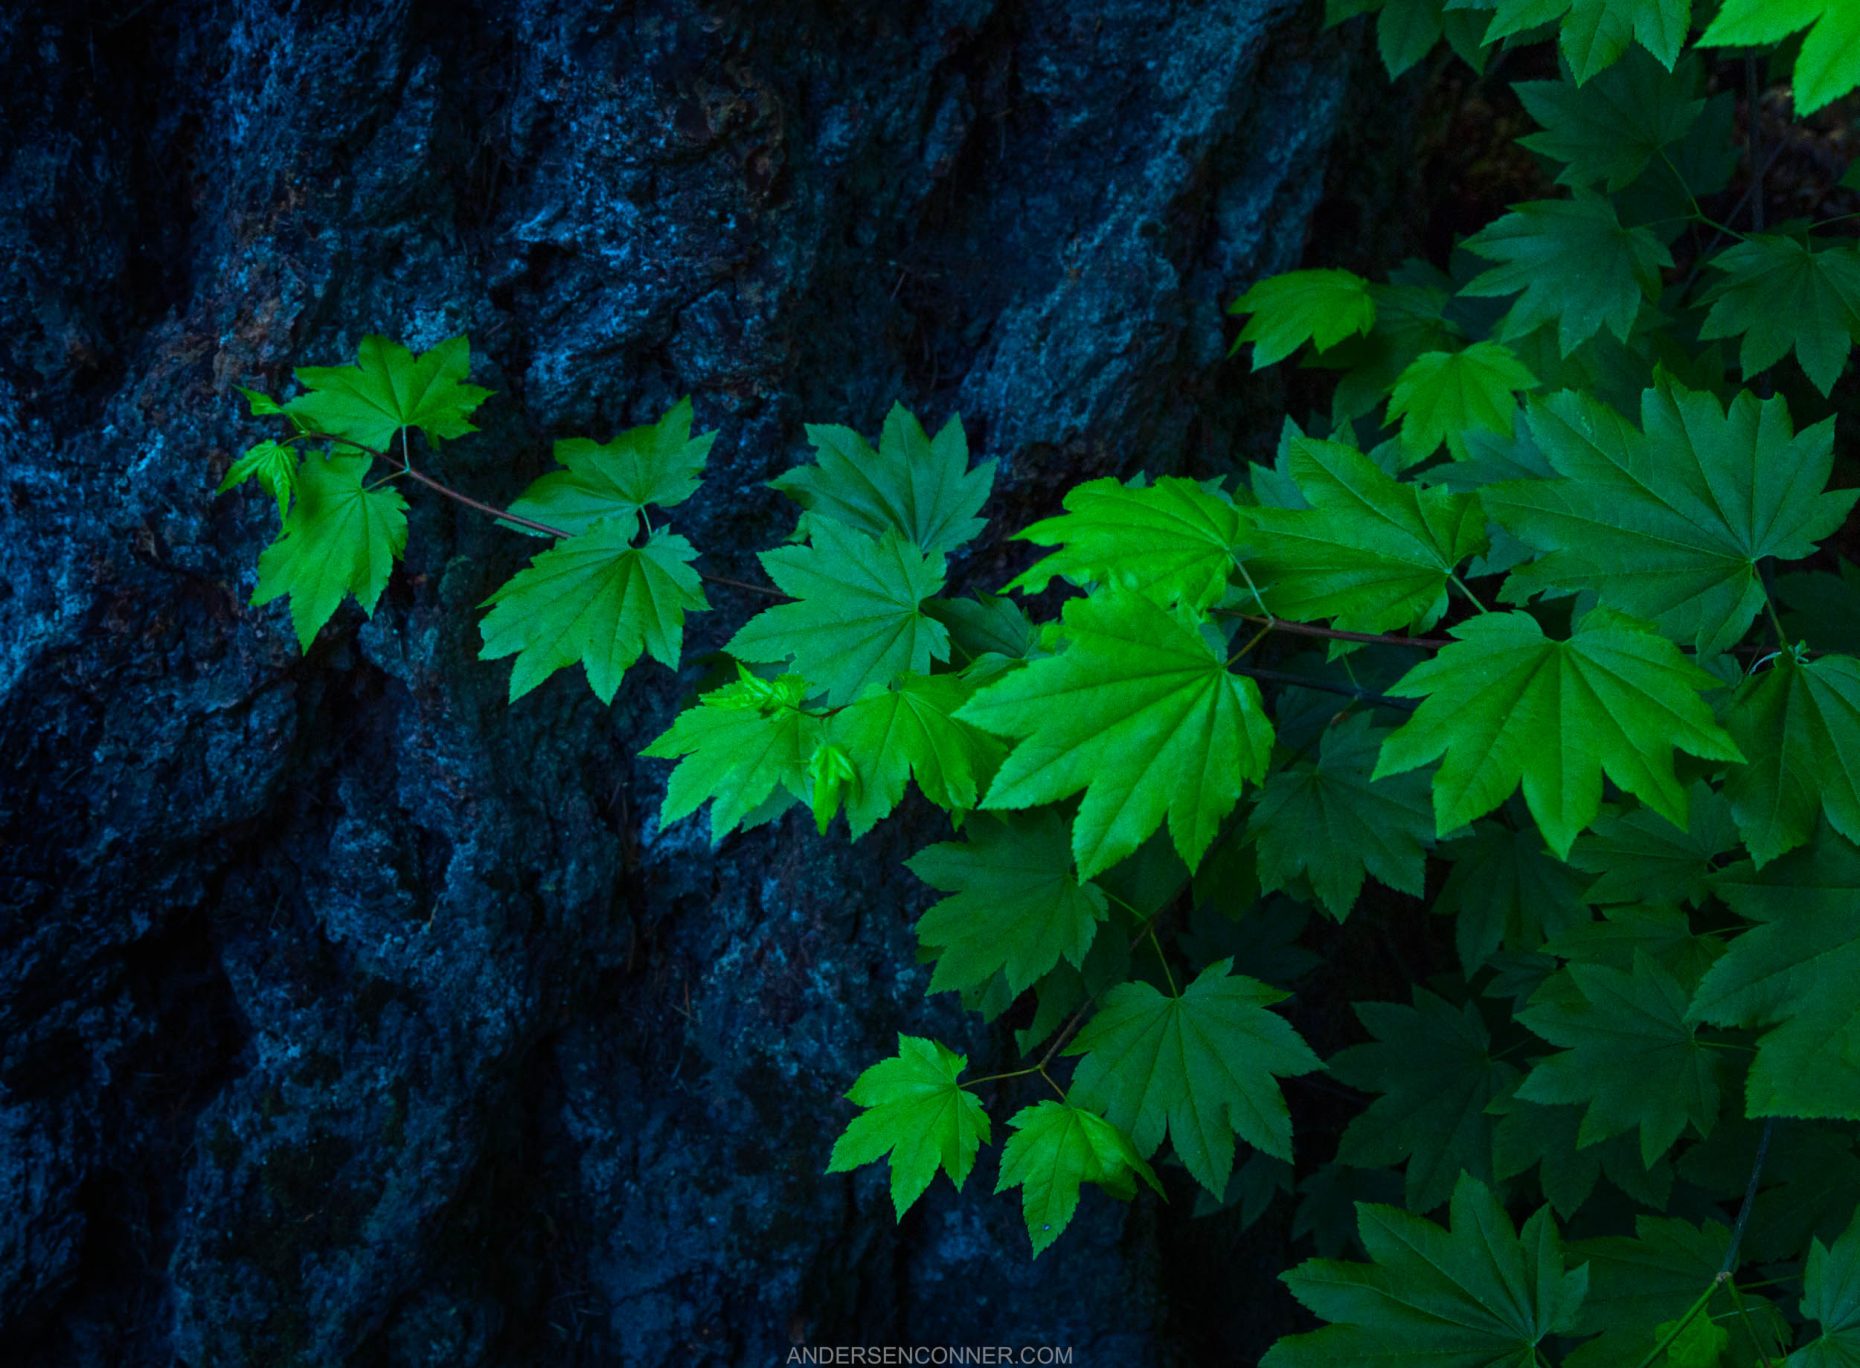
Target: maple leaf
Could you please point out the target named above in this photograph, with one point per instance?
(1442, 396)
(1202, 1066)
(906, 731)
(1290, 309)
(1055, 1149)
(744, 745)
(597, 600)
(1328, 822)
(922, 488)
(1015, 906)
(916, 1112)
(1505, 704)
(1799, 722)
(659, 463)
(1478, 1294)
(858, 621)
(1628, 1054)
(1638, 856)
(1610, 128)
(1433, 1065)
(1173, 541)
(1503, 888)
(1571, 263)
(1670, 523)
(1780, 292)
(389, 388)
(1373, 553)
(340, 538)
(1141, 713)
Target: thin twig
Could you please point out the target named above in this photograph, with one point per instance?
(1326, 686)
(489, 510)
(1750, 1200)
(1337, 633)
(742, 584)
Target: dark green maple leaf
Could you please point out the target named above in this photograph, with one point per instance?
(1015, 904)
(1479, 1294)
(1327, 821)
(1202, 1065)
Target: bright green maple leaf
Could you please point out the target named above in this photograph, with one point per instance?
(919, 486)
(1141, 713)
(1797, 973)
(1669, 523)
(274, 466)
(1202, 1066)
(597, 600)
(744, 745)
(917, 1112)
(1321, 307)
(1480, 1294)
(1442, 396)
(1015, 905)
(1779, 292)
(1505, 704)
(389, 388)
(659, 463)
(1609, 129)
(1627, 1053)
(1055, 1149)
(1327, 821)
(1172, 540)
(858, 621)
(1799, 722)
(910, 731)
(1575, 266)
(339, 538)
(1831, 1298)
(1829, 65)
(1371, 552)
(1433, 1066)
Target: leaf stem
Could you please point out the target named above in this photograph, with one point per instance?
(1743, 1314)
(1471, 597)
(1163, 960)
(1658, 1351)
(489, 510)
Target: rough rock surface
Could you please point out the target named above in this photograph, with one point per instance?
(347, 1014)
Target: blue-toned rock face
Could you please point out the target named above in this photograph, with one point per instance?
(347, 1014)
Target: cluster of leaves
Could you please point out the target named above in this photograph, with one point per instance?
(610, 587)
(1628, 770)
